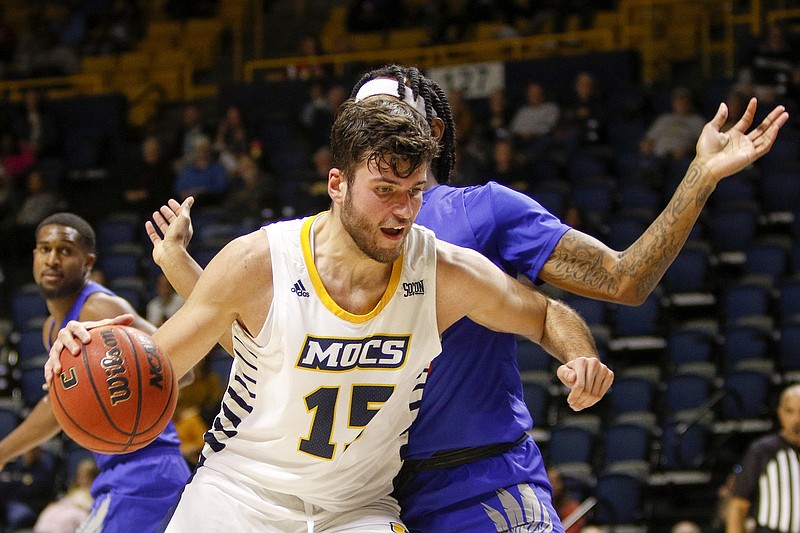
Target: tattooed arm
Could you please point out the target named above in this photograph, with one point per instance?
(583, 265)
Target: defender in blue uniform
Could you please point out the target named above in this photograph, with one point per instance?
(469, 465)
(133, 491)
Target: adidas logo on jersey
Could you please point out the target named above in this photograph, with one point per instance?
(379, 351)
(413, 288)
(299, 289)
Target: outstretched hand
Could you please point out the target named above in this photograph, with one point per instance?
(72, 337)
(726, 153)
(174, 222)
(588, 378)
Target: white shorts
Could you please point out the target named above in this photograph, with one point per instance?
(212, 502)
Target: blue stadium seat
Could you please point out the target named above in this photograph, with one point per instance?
(30, 344)
(27, 304)
(638, 196)
(780, 190)
(685, 446)
(638, 320)
(629, 394)
(594, 197)
(537, 398)
(789, 300)
(688, 347)
(121, 261)
(746, 298)
(733, 229)
(748, 395)
(31, 379)
(690, 273)
(119, 228)
(744, 343)
(623, 230)
(594, 312)
(571, 444)
(9, 416)
(686, 392)
(768, 257)
(620, 498)
(626, 443)
(789, 351)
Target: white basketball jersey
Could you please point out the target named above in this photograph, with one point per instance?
(319, 400)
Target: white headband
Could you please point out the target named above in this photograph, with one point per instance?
(389, 87)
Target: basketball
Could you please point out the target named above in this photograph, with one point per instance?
(118, 395)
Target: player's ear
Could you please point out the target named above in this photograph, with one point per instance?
(91, 259)
(437, 128)
(337, 185)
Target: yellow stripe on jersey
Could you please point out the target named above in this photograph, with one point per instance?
(322, 293)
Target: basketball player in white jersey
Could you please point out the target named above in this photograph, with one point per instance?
(334, 321)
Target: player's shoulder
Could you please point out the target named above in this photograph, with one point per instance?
(101, 305)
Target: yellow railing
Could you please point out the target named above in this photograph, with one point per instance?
(56, 87)
(577, 42)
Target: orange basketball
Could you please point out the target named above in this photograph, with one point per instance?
(118, 395)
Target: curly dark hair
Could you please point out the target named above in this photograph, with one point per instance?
(383, 132)
(435, 100)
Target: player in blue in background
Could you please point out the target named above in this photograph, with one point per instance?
(469, 464)
(133, 491)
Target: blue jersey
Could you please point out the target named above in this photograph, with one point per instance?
(477, 372)
(473, 395)
(137, 487)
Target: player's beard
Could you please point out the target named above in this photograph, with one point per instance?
(66, 288)
(358, 227)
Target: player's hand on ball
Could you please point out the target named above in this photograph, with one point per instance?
(588, 378)
(71, 337)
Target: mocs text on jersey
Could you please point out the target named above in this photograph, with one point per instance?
(375, 352)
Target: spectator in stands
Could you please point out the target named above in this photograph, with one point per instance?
(148, 180)
(253, 197)
(35, 126)
(312, 196)
(534, 121)
(192, 126)
(39, 203)
(772, 71)
(17, 156)
(673, 134)
(686, 526)
(26, 487)
(322, 118)
(233, 138)
(203, 177)
(563, 501)
(767, 485)
(496, 123)
(505, 166)
(8, 39)
(68, 512)
(165, 304)
(537, 116)
(583, 121)
(309, 47)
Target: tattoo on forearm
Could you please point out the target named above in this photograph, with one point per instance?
(580, 261)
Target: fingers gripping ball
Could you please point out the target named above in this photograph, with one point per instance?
(118, 395)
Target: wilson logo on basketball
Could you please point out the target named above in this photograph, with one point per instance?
(155, 364)
(118, 386)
